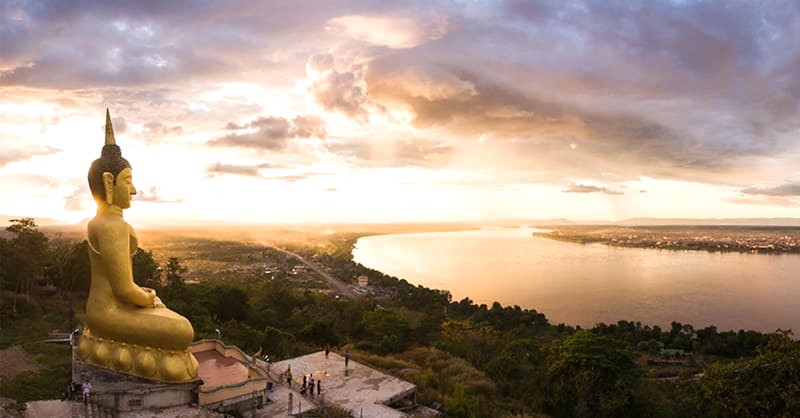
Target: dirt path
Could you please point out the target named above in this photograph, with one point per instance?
(15, 360)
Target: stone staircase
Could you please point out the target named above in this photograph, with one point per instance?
(90, 410)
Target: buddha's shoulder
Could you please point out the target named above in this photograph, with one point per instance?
(108, 225)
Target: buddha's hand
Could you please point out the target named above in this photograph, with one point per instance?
(148, 290)
(157, 303)
(155, 300)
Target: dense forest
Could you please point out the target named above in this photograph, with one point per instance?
(468, 359)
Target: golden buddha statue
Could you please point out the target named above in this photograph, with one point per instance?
(129, 328)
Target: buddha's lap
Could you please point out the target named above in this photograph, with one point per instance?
(154, 327)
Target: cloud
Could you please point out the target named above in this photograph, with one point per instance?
(426, 82)
(623, 140)
(583, 188)
(522, 74)
(242, 170)
(10, 155)
(394, 153)
(699, 90)
(75, 201)
(272, 133)
(343, 91)
(252, 170)
(390, 31)
(309, 127)
(119, 123)
(153, 195)
(788, 189)
(156, 130)
(145, 43)
(294, 177)
(763, 200)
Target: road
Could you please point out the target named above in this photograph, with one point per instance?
(337, 284)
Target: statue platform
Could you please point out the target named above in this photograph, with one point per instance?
(127, 395)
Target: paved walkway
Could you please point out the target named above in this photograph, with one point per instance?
(358, 388)
(47, 409)
(280, 403)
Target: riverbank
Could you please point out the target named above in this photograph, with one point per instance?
(754, 240)
(586, 284)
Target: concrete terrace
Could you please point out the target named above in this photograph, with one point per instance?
(361, 389)
(279, 407)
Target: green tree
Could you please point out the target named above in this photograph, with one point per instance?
(231, 303)
(24, 257)
(518, 369)
(477, 344)
(146, 272)
(278, 344)
(174, 272)
(458, 404)
(59, 249)
(591, 376)
(765, 386)
(387, 329)
(77, 269)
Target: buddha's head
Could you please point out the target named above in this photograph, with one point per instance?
(110, 177)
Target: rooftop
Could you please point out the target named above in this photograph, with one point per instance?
(228, 374)
(218, 370)
(359, 388)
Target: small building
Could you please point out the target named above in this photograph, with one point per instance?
(363, 282)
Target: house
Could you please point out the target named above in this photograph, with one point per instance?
(363, 282)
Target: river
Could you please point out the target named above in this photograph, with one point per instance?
(585, 284)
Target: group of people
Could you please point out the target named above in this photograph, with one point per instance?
(76, 390)
(346, 356)
(308, 385)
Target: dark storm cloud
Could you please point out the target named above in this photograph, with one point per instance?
(79, 44)
(692, 90)
(788, 189)
(272, 133)
(583, 188)
(544, 127)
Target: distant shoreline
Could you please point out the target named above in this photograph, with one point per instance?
(713, 239)
(700, 321)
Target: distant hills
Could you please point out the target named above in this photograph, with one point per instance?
(655, 221)
(51, 224)
(711, 221)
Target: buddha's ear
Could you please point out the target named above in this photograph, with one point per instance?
(108, 186)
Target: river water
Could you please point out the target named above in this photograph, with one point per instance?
(585, 284)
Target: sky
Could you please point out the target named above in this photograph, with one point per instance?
(360, 111)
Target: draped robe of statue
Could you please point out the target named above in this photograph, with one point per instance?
(129, 330)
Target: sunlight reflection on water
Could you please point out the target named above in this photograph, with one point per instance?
(585, 284)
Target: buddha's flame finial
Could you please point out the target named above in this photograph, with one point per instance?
(109, 130)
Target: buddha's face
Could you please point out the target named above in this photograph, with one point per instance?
(123, 189)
